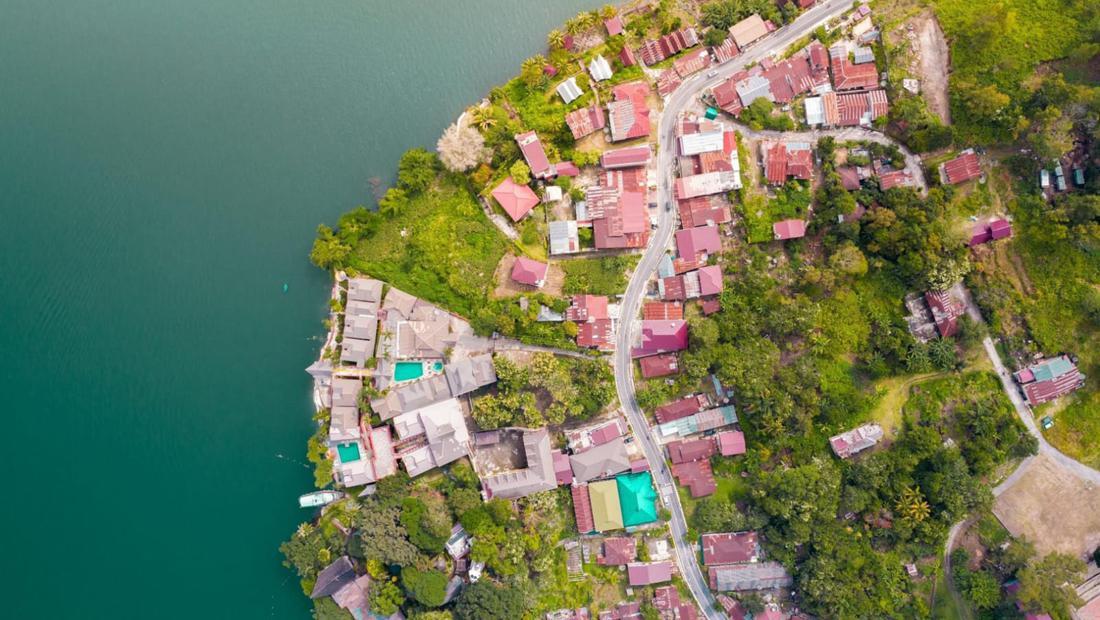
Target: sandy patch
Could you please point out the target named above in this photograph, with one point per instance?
(1052, 508)
(506, 287)
(933, 63)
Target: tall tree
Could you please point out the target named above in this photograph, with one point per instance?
(1048, 585)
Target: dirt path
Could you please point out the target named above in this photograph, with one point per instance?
(934, 63)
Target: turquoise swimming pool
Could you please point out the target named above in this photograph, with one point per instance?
(404, 371)
(349, 452)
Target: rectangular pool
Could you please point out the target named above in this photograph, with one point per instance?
(404, 371)
(349, 452)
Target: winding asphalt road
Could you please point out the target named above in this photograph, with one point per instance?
(687, 93)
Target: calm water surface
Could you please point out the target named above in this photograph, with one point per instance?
(163, 165)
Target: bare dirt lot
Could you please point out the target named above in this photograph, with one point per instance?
(933, 65)
(506, 287)
(1053, 509)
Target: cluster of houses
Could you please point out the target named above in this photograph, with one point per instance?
(735, 562)
(1048, 379)
(852, 177)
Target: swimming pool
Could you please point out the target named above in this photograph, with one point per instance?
(404, 371)
(349, 452)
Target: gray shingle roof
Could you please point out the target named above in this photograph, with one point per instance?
(365, 289)
(602, 461)
(413, 395)
(333, 577)
(466, 375)
(537, 476)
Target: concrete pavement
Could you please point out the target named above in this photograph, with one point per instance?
(691, 89)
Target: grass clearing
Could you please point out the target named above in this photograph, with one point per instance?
(894, 392)
(598, 276)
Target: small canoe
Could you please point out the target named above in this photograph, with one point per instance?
(319, 498)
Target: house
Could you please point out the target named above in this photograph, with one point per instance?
(701, 142)
(1049, 379)
(946, 310)
(334, 577)
(849, 177)
(563, 472)
(614, 26)
(516, 200)
(564, 237)
(731, 443)
(752, 576)
(748, 30)
(529, 271)
(710, 280)
(627, 57)
(682, 451)
(567, 169)
(366, 290)
(582, 508)
(356, 351)
(458, 544)
(660, 365)
(726, 96)
(618, 551)
(537, 476)
(710, 306)
(895, 178)
(619, 218)
(706, 184)
(445, 437)
(655, 50)
(603, 497)
(848, 75)
(628, 114)
(569, 91)
(815, 111)
(410, 396)
(783, 160)
(585, 121)
(725, 52)
(730, 548)
(383, 459)
(666, 600)
(586, 438)
(587, 308)
(856, 440)
(662, 310)
(752, 88)
(345, 392)
(703, 421)
(343, 424)
(697, 476)
(862, 55)
(704, 211)
(623, 611)
(551, 194)
(470, 373)
(961, 169)
(789, 229)
(600, 461)
(681, 408)
(598, 333)
(535, 155)
(661, 337)
(637, 499)
(599, 68)
(629, 157)
(648, 573)
(690, 63)
(854, 108)
(695, 244)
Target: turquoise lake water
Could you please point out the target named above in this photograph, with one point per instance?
(164, 167)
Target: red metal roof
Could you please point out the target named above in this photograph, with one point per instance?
(731, 443)
(693, 450)
(660, 365)
(674, 288)
(642, 574)
(626, 158)
(628, 120)
(849, 76)
(618, 550)
(666, 597)
(710, 306)
(693, 243)
(963, 168)
(945, 311)
(534, 154)
(587, 308)
(563, 471)
(681, 408)
(528, 271)
(566, 169)
(657, 310)
(585, 121)
(729, 548)
(627, 57)
(726, 51)
(662, 337)
(789, 229)
(710, 280)
(614, 25)
(582, 508)
(595, 333)
(516, 200)
(1000, 229)
(895, 178)
(607, 433)
(704, 211)
(697, 476)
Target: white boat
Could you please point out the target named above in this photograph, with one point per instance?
(319, 498)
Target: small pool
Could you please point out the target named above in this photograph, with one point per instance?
(438, 366)
(349, 452)
(404, 371)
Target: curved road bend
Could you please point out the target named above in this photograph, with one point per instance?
(624, 370)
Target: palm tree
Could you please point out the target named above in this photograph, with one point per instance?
(912, 506)
(607, 11)
(482, 117)
(575, 25)
(556, 39)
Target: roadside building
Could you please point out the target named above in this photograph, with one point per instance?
(697, 243)
(748, 31)
(661, 337)
(752, 576)
(856, 440)
(706, 184)
(725, 52)
(516, 200)
(1049, 379)
(703, 421)
(637, 498)
(666, 600)
(696, 476)
(848, 75)
(628, 114)
(654, 51)
(604, 499)
(895, 178)
(662, 310)
(783, 160)
(586, 308)
(704, 211)
(730, 548)
(681, 408)
(629, 157)
(659, 365)
(600, 461)
(686, 451)
(529, 272)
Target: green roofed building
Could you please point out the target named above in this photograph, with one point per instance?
(637, 498)
(606, 514)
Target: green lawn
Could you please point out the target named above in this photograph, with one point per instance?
(894, 392)
(441, 248)
(598, 276)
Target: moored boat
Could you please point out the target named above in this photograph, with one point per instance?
(319, 498)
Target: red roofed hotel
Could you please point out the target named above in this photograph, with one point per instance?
(535, 155)
(516, 200)
(789, 229)
(730, 548)
(659, 365)
(529, 272)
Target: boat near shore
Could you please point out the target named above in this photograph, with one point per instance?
(319, 498)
